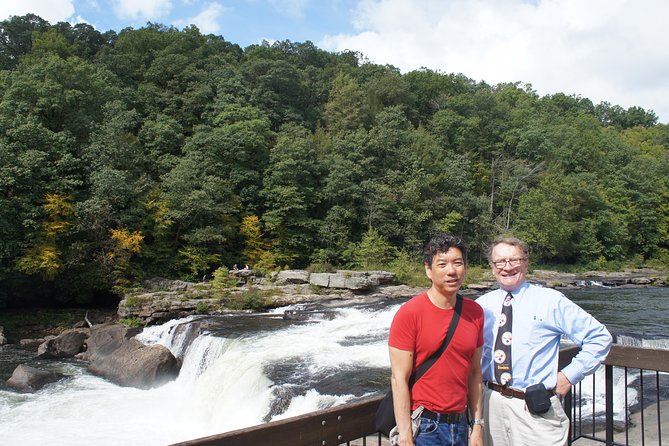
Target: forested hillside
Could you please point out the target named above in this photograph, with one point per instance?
(159, 152)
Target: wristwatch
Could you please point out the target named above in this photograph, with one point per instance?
(477, 422)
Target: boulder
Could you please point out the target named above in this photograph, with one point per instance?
(382, 277)
(640, 281)
(134, 364)
(105, 338)
(30, 379)
(3, 338)
(113, 354)
(320, 279)
(292, 276)
(161, 284)
(350, 281)
(65, 345)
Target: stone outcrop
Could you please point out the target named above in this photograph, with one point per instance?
(170, 301)
(292, 276)
(286, 287)
(3, 338)
(352, 280)
(30, 379)
(65, 345)
(114, 354)
(592, 279)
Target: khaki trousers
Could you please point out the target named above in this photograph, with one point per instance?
(509, 423)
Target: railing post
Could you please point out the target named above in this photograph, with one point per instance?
(609, 404)
(570, 413)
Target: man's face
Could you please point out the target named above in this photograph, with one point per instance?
(511, 266)
(447, 271)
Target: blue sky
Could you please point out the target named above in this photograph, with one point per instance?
(605, 50)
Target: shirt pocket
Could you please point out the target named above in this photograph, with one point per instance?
(541, 333)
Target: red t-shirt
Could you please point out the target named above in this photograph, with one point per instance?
(420, 326)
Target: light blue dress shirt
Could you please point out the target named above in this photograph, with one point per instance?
(540, 317)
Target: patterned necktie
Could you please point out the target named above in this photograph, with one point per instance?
(503, 343)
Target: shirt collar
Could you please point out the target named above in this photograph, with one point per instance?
(518, 292)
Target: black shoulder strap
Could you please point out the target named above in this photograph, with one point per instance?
(434, 356)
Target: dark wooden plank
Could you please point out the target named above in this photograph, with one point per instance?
(327, 427)
(638, 357)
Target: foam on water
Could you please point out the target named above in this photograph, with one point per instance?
(229, 381)
(222, 385)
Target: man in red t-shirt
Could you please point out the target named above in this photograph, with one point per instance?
(453, 384)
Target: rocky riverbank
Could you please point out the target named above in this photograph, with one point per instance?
(161, 300)
(94, 338)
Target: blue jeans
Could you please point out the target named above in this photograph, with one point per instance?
(433, 433)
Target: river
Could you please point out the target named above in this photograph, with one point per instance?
(249, 369)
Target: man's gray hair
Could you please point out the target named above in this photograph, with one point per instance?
(508, 240)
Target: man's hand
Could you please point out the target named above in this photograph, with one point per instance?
(563, 385)
(476, 436)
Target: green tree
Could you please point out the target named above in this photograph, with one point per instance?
(291, 195)
(346, 109)
(373, 251)
(16, 38)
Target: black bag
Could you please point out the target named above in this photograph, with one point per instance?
(385, 413)
(537, 399)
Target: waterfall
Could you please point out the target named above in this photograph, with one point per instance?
(230, 378)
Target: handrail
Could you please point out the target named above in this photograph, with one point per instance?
(331, 426)
(348, 422)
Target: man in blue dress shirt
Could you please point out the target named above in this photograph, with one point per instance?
(537, 318)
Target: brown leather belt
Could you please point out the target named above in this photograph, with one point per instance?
(444, 417)
(506, 391)
(509, 392)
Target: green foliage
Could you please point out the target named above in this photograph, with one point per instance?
(373, 251)
(131, 322)
(223, 279)
(249, 299)
(197, 260)
(409, 270)
(477, 274)
(281, 155)
(202, 308)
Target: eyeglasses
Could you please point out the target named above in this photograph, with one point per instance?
(499, 264)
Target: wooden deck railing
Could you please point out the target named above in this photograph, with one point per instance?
(353, 423)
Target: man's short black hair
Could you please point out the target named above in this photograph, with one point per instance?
(442, 243)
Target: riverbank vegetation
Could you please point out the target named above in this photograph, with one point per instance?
(165, 152)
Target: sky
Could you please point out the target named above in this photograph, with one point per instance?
(604, 50)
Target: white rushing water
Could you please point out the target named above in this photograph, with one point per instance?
(230, 378)
(222, 385)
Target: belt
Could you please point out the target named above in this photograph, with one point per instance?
(444, 417)
(510, 392)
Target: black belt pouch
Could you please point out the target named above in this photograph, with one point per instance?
(537, 399)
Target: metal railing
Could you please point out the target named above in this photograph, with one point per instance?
(635, 383)
(353, 424)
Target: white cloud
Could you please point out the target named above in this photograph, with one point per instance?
(206, 20)
(294, 8)
(142, 10)
(53, 11)
(606, 50)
